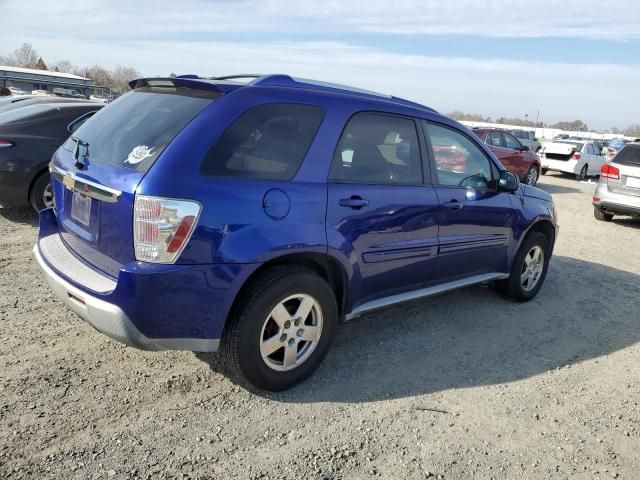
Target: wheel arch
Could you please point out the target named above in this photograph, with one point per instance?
(326, 266)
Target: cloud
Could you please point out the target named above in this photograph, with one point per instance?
(485, 18)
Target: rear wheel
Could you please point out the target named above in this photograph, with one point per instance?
(529, 268)
(41, 195)
(281, 330)
(583, 173)
(600, 215)
(531, 178)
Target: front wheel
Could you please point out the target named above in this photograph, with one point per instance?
(281, 330)
(529, 268)
(41, 195)
(531, 178)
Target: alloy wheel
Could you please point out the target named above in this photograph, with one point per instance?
(47, 196)
(532, 268)
(532, 176)
(291, 332)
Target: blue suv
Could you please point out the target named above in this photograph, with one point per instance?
(250, 218)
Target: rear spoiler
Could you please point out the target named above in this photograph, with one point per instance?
(186, 81)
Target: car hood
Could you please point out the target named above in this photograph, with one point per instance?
(533, 192)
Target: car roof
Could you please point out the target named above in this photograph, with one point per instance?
(228, 83)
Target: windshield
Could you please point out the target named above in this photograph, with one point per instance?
(134, 130)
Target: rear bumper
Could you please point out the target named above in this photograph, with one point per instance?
(566, 166)
(616, 203)
(111, 320)
(151, 307)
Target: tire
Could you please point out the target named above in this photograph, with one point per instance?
(513, 286)
(543, 171)
(40, 196)
(600, 215)
(583, 173)
(252, 325)
(532, 175)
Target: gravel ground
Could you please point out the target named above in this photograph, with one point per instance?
(464, 385)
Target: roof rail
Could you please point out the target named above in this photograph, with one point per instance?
(280, 80)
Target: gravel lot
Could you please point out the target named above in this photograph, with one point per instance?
(465, 385)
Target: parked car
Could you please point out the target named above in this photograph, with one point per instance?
(515, 156)
(11, 103)
(580, 157)
(28, 138)
(17, 91)
(615, 145)
(618, 191)
(527, 138)
(250, 218)
(40, 92)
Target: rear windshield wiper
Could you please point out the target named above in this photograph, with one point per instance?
(78, 158)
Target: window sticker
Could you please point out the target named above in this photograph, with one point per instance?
(138, 154)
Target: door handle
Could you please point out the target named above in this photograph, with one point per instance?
(453, 204)
(355, 202)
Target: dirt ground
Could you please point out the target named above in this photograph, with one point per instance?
(464, 385)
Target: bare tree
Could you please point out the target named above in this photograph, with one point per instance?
(24, 56)
(100, 75)
(64, 66)
(40, 65)
(121, 76)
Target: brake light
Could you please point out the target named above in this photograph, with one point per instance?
(596, 199)
(609, 171)
(576, 156)
(5, 144)
(162, 227)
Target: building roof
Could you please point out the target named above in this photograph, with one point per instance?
(33, 71)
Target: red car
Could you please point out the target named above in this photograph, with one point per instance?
(511, 153)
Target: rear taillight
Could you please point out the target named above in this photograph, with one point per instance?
(609, 171)
(162, 227)
(576, 156)
(5, 144)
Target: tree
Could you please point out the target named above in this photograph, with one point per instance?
(40, 65)
(172, 75)
(632, 131)
(24, 56)
(63, 66)
(470, 117)
(100, 75)
(121, 76)
(574, 126)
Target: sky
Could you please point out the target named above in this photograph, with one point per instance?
(547, 59)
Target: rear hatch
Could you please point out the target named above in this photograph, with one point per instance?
(561, 150)
(96, 171)
(628, 163)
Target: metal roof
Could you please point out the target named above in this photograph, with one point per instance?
(46, 73)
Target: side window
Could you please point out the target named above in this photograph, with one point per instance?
(531, 136)
(78, 122)
(459, 161)
(267, 142)
(510, 141)
(494, 139)
(378, 149)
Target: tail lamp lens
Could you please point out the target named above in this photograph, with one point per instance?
(609, 171)
(576, 156)
(162, 227)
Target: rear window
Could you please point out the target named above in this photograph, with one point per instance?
(629, 155)
(134, 130)
(267, 142)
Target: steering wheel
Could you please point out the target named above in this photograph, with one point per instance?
(477, 180)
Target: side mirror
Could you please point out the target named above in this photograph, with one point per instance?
(523, 148)
(508, 181)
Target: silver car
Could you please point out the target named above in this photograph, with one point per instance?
(528, 138)
(618, 191)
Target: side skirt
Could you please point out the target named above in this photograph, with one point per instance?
(424, 292)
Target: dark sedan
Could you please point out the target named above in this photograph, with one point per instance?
(28, 138)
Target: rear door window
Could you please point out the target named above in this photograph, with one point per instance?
(495, 139)
(267, 142)
(134, 130)
(510, 141)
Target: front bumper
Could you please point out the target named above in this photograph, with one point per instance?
(14, 189)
